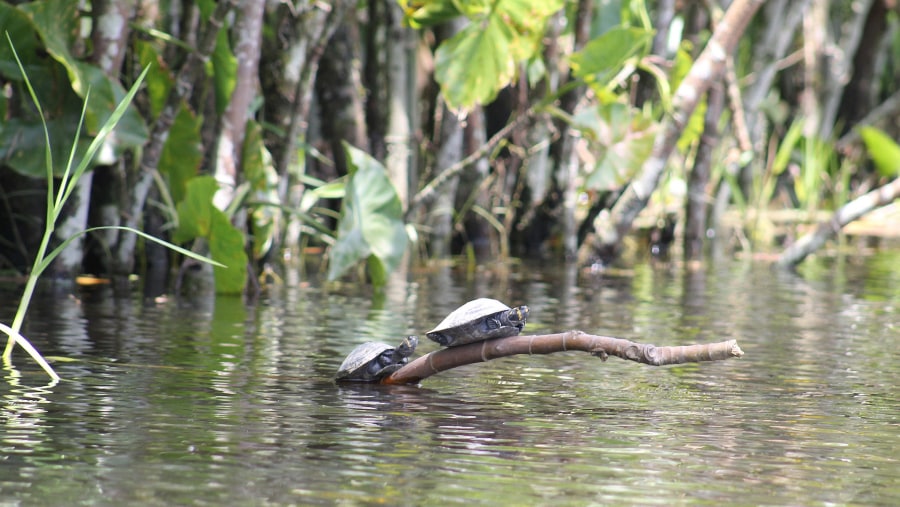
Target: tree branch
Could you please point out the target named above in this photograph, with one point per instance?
(847, 213)
(601, 346)
(429, 191)
(610, 227)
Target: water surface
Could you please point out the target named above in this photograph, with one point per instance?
(212, 401)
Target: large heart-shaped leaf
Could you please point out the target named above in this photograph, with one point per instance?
(371, 226)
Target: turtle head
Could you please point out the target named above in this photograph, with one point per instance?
(406, 347)
(518, 315)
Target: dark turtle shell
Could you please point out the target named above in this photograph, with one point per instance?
(371, 361)
(477, 320)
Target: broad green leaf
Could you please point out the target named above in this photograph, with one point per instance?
(421, 13)
(15, 23)
(195, 210)
(226, 244)
(622, 137)
(224, 71)
(482, 58)
(371, 220)
(884, 151)
(159, 80)
(605, 55)
(57, 23)
(198, 218)
(182, 153)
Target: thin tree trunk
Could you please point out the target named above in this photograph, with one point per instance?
(339, 92)
(709, 66)
(309, 37)
(698, 198)
(399, 159)
(142, 182)
(248, 34)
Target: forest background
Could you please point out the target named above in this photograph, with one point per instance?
(353, 134)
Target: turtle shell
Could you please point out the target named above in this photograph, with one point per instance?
(371, 361)
(477, 320)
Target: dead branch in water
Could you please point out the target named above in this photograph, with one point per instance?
(601, 346)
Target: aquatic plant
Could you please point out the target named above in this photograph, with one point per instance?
(56, 199)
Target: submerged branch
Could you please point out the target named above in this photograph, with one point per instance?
(849, 212)
(601, 346)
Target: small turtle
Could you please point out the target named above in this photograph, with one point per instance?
(372, 361)
(477, 320)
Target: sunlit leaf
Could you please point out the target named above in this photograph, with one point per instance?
(371, 219)
(182, 153)
(199, 218)
(57, 23)
(884, 151)
(259, 170)
(224, 71)
(623, 139)
(605, 55)
(482, 58)
(422, 13)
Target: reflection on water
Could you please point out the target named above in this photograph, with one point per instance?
(213, 402)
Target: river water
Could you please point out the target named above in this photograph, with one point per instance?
(213, 401)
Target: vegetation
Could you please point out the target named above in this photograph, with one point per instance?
(484, 128)
(71, 174)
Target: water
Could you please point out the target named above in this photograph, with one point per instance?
(214, 402)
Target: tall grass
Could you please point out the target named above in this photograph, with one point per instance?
(55, 202)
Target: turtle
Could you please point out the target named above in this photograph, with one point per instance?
(477, 320)
(372, 361)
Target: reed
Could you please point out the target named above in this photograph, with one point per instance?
(56, 200)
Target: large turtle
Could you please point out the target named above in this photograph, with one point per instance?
(372, 361)
(477, 320)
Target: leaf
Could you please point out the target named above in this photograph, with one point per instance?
(195, 210)
(604, 56)
(57, 22)
(199, 218)
(259, 170)
(224, 71)
(371, 220)
(421, 13)
(884, 151)
(622, 136)
(482, 58)
(182, 153)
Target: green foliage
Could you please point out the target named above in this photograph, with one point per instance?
(182, 154)
(622, 136)
(482, 58)
(61, 83)
(56, 200)
(421, 13)
(605, 55)
(371, 226)
(259, 170)
(885, 152)
(199, 218)
(223, 71)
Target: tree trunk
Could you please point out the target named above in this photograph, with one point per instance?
(610, 228)
(339, 93)
(698, 197)
(248, 36)
(140, 184)
(399, 159)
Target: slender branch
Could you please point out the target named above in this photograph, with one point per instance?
(609, 228)
(847, 213)
(601, 346)
(429, 191)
